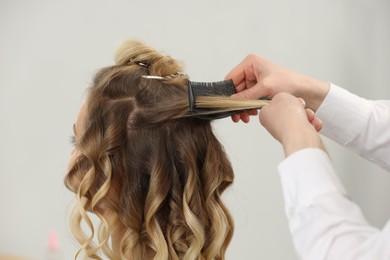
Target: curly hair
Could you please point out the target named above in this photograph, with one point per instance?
(151, 174)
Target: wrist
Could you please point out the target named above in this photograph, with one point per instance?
(313, 91)
(301, 138)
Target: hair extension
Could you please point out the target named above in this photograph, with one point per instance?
(151, 173)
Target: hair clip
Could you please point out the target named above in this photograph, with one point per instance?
(171, 76)
(179, 74)
(140, 63)
(152, 77)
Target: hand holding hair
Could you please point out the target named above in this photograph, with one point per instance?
(256, 77)
(311, 187)
(287, 120)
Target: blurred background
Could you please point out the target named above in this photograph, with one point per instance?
(50, 49)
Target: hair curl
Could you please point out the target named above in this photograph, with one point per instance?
(152, 175)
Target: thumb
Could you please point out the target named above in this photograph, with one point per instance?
(254, 92)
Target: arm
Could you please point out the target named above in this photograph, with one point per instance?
(256, 77)
(359, 124)
(323, 222)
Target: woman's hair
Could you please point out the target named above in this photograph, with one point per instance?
(152, 174)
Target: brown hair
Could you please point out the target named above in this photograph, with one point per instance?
(152, 175)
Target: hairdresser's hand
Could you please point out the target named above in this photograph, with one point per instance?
(256, 77)
(287, 120)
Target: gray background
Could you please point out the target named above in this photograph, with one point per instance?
(50, 49)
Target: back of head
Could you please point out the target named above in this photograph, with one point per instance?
(152, 174)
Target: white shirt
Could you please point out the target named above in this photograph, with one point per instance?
(324, 222)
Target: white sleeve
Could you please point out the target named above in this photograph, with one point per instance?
(357, 123)
(324, 222)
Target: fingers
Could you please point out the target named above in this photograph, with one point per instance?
(237, 74)
(236, 118)
(302, 101)
(314, 121)
(246, 79)
(241, 85)
(253, 112)
(250, 93)
(317, 123)
(310, 114)
(311, 117)
(244, 116)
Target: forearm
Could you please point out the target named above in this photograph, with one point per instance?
(333, 228)
(299, 138)
(324, 223)
(359, 124)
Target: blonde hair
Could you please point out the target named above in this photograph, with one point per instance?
(151, 174)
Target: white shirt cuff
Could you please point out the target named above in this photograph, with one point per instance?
(343, 127)
(306, 175)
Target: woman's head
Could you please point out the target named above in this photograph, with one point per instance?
(152, 174)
